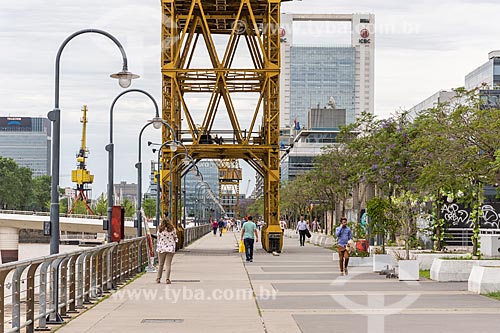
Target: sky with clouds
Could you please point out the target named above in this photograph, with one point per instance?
(421, 47)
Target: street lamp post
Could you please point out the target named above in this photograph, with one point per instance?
(124, 77)
(170, 183)
(198, 174)
(157, 122)
(173, 147)
(197, 191)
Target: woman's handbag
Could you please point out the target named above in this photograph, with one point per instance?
(242, 247)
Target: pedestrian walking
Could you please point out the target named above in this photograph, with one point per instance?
(221, 226)
(215, 225)
(344, 234)
(314, 225)
(283, 225)
(165, 246)
(301, 228)
(249, 235)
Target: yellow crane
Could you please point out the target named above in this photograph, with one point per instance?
(81, 176)
(229, 185)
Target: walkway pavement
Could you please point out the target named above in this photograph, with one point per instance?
(299, 291)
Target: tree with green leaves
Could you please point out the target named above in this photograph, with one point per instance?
(129, 207)
(15, 185)
(457, 146)
(149, 206)
(101, 205)
(40, 198)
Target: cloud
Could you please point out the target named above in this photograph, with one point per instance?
(421, 47)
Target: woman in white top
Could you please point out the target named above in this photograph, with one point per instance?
(165, 246)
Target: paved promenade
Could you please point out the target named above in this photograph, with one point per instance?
(214, 290)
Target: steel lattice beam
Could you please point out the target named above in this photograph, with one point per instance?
(254, 23)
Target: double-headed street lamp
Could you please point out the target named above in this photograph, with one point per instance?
(157, 123)
(173, 148)
(199, 175)
(124, 77)
(186, 161)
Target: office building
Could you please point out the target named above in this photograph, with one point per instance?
(311, 74)
(486, 75)
(197, 200)
(323, 127)
(27, 141)
(440, 97)
(124, 191)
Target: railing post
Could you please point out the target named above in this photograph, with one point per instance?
(42, 297)
(93, 276)
(30, 298)
(80, 281)
(16, 297)
(64, 286)
(87, 273)
(3, 276)
(54, 316)
(72, 284)
(100, 268)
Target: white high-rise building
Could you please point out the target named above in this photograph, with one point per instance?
(311, 74)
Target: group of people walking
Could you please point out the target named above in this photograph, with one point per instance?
(167, 240)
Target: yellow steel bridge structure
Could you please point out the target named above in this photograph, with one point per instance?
(192, 24)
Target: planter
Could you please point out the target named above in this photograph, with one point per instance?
(355, 261)
(408, 270)
(425, 260)
(490, 245)
(484, 279)
(381, 261)
(456, 270)
(360, 261)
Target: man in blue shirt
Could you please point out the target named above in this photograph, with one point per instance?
(249, 235)
(344, 234)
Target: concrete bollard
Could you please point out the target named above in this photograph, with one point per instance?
(9, 244)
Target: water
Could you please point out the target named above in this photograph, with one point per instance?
(31, 251)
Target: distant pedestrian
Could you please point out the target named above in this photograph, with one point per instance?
(249, 235)
(221, 226)
(302, 227)
(344, 234)
(282, 225)
(215, 225)
(314, 225)
(165, 246)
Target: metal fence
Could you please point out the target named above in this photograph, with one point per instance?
(192, 234)
(73, 279)
(462, 236)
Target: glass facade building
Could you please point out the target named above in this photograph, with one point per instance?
(198, 204)
(318, 73)
(27, 141)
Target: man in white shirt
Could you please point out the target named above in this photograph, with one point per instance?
(302, 228)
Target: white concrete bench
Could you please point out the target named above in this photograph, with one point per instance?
(456, 270)
(484, 279)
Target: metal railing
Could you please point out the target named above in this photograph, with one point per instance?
(74, 279)
(194, 233)
(76, 216)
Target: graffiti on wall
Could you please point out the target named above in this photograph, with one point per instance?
(459, 217)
